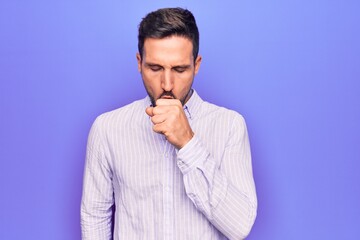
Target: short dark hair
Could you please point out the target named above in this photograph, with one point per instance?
(166, 22)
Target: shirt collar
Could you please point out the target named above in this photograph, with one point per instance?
(192, 106)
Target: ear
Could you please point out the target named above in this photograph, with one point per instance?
(197, 63)
(138, 58)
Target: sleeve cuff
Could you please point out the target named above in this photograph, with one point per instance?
(191, 155)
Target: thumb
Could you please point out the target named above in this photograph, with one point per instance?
(149, 111)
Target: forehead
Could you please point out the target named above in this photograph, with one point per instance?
(167, 50)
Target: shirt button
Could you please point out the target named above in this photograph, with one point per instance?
(167, 189)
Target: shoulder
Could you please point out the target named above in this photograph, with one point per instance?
(121, 115)
(231, 124)
(223, 113)
(222, 120)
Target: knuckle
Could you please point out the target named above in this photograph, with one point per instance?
(156, 110)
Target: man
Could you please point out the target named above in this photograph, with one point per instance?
(173, 165)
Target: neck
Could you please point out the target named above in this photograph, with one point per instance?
(188, 96)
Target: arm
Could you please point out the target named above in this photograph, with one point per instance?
(97, 198)
(224, 190)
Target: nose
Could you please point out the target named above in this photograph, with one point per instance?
(167, 82)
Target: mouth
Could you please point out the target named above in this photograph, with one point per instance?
(167, 97)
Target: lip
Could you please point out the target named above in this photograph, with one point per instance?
(167, 97)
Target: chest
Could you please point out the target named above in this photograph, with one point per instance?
(143, 160)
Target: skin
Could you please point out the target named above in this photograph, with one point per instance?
(168, 70)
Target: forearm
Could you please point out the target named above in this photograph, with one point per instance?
(96, 226)
(235, 214)
(230, 208)
(96, 207)
(96, 212)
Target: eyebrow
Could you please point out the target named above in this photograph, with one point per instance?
(182, 66)
(152, 64)
(149, 64)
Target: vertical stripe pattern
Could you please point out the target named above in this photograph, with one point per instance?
(203, 191)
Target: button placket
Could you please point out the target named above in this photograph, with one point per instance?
(167, 191)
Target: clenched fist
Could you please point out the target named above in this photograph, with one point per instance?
(169, 119)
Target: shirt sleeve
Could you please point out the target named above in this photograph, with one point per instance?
(222, 189)
(97, 197)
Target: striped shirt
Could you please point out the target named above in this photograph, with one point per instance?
(205, 190)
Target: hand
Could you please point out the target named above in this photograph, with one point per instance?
(169, 119)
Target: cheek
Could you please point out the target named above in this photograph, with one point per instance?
(184, 80)
(151, 80)
(183, 85)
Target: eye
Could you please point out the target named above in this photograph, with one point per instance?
(155, 68)
(180, 69)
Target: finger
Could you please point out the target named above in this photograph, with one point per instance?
(161, 109)
(149, 111)
(159, 128)
(168, 102)
(156, 119)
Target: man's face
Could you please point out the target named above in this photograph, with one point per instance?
(168, 68)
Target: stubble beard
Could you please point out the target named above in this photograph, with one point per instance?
(170, 95)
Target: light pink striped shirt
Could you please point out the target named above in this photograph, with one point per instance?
(203, 191)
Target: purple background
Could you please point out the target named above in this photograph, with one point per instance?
(292, 68)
